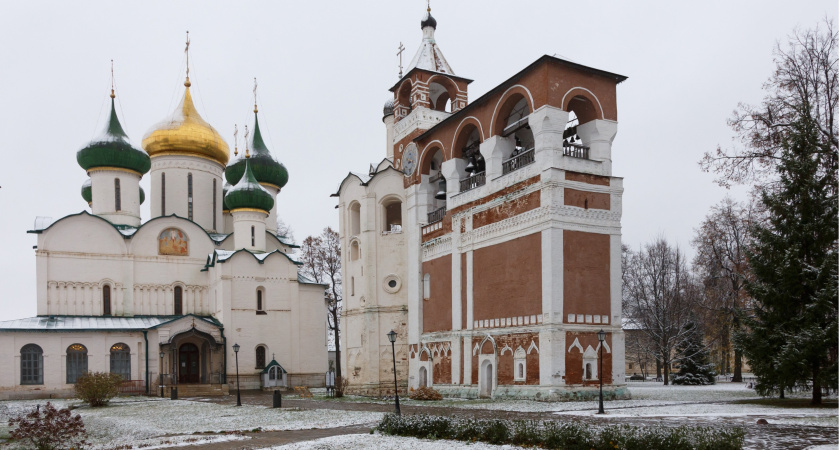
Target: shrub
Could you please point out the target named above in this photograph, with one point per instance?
(98, 388)
(569, 436)
(49, 429)
(425, 393)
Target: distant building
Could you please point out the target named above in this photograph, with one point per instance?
(489, 236)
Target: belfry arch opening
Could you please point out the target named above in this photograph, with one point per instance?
(584, 109)
(516, 127)
(434, 184)
(442, 93)
(467, 148)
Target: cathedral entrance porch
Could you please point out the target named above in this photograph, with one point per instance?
(192, 357)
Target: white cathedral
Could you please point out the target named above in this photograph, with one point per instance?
(178, 299)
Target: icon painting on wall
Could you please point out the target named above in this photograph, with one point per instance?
(173, 241)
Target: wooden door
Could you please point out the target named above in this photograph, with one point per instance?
(188, 364)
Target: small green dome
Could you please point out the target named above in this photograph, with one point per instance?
(142, 195)
(248, 193)
(266, 169)
(86, 191)
(112, 149)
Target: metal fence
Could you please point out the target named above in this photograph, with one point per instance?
(576, 151)
(518, 161)
(437, 215)
(473, 181)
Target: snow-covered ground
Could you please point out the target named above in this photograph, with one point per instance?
(376, 442)
(145, 421)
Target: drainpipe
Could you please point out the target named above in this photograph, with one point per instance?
(224, 344)
(146, 338)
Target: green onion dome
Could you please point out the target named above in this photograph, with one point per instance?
(142, 195)
(248, 193)
(267, 170)
(112, 149)
(86, 191)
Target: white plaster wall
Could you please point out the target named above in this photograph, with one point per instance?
(176, 168)
(104, 199)
(243, 220)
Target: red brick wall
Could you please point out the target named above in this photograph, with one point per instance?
(574, 359)
(437, 310)
(584, 199)
(507, 279)
(507, 209)
(586, 273)
(587, 178)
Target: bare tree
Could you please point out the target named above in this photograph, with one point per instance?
(321, 258)
(660, 298)
(285, 231)
(804, 84)
(721, 263)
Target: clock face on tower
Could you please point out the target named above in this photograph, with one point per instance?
(409, 159)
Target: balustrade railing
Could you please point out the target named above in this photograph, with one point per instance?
(576, 151)
(517, 162)
(437, 215)
(473, 181)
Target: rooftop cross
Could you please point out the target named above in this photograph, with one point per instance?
(187, 51)
(401, 48)
(112, 79)
(255, 95)
(247, 155)
(235, 134)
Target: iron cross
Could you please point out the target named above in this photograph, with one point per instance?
(399, 53)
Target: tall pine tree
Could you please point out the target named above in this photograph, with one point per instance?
(693, 357)
(791, 339)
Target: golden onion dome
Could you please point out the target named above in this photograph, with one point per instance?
(186, 133)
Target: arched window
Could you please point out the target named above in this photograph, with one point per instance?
(588, 371)
(355, 219)
(214, 204)
(163, 194)
(393, 216)
(189, 197)
(519, 364)
(117, 199)
(261, 357)
(259, 300)
(106, 300)
(31, 364)
(121, 360)
(77, 362)
(179, 297)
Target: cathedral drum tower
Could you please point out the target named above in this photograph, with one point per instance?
(510, 261)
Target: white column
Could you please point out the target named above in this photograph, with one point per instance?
(547, 123)
(415, 208)
(453, 170)
(467, 358)
(598, 135)
(495, 150)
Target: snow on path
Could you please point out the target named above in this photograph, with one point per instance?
(147, 421)
(377, 441)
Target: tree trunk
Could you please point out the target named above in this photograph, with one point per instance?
(337, 346)
(816, 390)
(736, 373)
(667, 371)
(782, 393)
(658, 369)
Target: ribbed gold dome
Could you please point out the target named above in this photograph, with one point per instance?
(186, 133)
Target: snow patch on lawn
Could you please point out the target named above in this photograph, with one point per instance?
(377, 441)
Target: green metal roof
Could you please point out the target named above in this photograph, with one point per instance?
(86, 191)
(266, 169)
(112, 149)
(248, 193)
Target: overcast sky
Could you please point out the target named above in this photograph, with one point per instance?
(324, 69)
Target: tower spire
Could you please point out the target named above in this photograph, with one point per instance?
(255, 95)
(187, 51)
(112, 79)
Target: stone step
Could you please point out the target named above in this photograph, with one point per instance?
(201, 390)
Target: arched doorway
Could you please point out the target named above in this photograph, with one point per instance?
(423, 377)
(188, 364)
(486, 380)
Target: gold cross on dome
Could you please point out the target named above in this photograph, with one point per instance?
(112, 78)
(401, 48)
(247, 155)
(255, 95)
(235, 134)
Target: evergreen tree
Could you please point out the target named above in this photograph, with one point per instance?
(791, 337)
(693, 356)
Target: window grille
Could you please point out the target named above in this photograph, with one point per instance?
(121, 360)
(31, 364)
(77, 362)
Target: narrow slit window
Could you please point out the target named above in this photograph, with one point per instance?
(163, 194)
(259, 301)
(106, 300)
(189, 197)
(253, 237)
(214, 204)
(117, 199)
(179, 294)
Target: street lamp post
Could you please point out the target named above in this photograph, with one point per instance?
(392, 336)
(601, 336)
(236, 354)
(160, 375)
